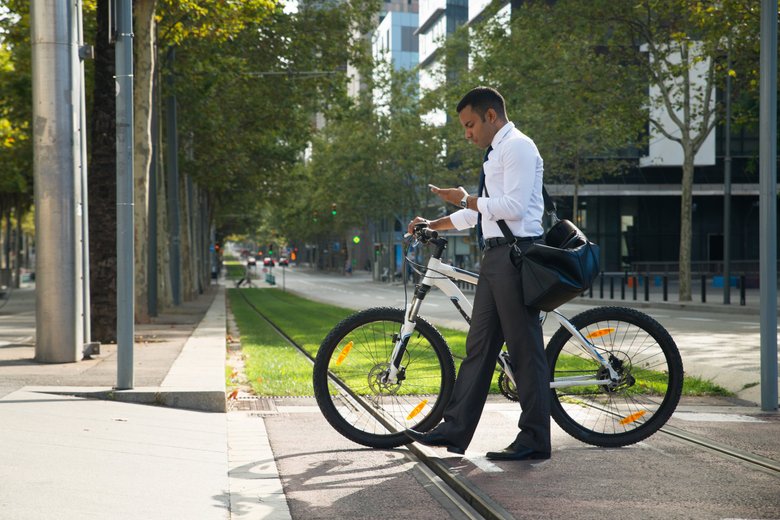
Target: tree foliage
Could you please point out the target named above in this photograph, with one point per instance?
(15, 107)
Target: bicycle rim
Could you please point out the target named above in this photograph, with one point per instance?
(650, 377)
(352, 393)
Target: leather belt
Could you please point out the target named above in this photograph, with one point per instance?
(490, 243)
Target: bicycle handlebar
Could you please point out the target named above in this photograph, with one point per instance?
(423, 233)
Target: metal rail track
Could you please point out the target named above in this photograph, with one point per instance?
(470, 500)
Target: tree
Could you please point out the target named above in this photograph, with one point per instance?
(679, 49)
(576, 101)
(102, 185)
(16, 194)
(266, 83)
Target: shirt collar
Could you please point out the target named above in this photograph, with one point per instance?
(501, 134)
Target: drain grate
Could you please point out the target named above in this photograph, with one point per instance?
(251, 403)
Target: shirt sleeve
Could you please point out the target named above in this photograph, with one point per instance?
(518, 161)
(464, 219)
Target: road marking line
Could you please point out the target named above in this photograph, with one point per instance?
(482, 463)
(715, 417)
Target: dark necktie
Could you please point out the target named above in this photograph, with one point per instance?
(480, 238)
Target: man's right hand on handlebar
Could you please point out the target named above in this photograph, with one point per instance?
(415, 222)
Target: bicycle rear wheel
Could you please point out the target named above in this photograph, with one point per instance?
(650, 377)
(351, 393)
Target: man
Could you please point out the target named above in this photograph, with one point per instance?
(512, 192)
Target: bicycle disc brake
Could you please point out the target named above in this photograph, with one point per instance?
(378, 380)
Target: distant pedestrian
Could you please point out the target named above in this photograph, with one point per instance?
(247, 275)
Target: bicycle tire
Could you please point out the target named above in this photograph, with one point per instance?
(651, 377)
(349, 363)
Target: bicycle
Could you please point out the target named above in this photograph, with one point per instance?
(615, 373)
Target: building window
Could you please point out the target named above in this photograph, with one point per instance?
(409, 42)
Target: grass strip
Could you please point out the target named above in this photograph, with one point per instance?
(274, 368)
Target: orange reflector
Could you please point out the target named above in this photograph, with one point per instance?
(417, 409)
(633, 417)
(600, 332)
(344, 353)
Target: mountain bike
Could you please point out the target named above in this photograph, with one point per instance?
(615, 373)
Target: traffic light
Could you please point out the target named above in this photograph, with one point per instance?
(356, 239)
(333, 209)
(270, 249)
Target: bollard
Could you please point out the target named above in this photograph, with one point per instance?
(704, 288)
(742, 290)
(636, 280)
(601, 286)
(666, 288)
(647, 288)
(590, 291)
(611, 287)
(623, 288)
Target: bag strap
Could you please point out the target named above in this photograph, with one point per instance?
(549, 207)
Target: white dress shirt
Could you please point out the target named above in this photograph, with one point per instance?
(513, 182)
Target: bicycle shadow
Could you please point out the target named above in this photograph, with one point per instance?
(341, 473)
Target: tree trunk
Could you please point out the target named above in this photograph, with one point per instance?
(18, 248)
(164, 292)
(686, 218)
(144, 47)
(185, 229)
(102, 186)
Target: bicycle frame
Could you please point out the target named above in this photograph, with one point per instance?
(441, 275)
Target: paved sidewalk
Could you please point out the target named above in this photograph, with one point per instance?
(69, 456)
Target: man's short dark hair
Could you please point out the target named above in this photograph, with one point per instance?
(482, 98)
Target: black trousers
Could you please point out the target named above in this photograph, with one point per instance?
(500, 316)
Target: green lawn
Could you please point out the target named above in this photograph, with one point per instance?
(274, 368)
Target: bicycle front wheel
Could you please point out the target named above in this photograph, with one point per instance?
(650, 377)
(350, 378)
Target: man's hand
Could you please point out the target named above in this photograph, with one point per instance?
(451, 195)
(414, 222)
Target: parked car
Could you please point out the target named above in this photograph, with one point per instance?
(284, 262)
(268, 262)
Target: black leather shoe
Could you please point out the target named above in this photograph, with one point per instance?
(434, 438)
(516, 451)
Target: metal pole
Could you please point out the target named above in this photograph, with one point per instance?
(59, 327)
(125, 252)
(78, 134)
(85, 52)
(727, 189)
(768, 204)
(173, 183)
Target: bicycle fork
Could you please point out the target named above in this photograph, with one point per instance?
(394, 371)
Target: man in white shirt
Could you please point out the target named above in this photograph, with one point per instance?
(510, 190)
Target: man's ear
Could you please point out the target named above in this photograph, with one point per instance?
(491, 115)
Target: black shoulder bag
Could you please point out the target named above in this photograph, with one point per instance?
(559, 269)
